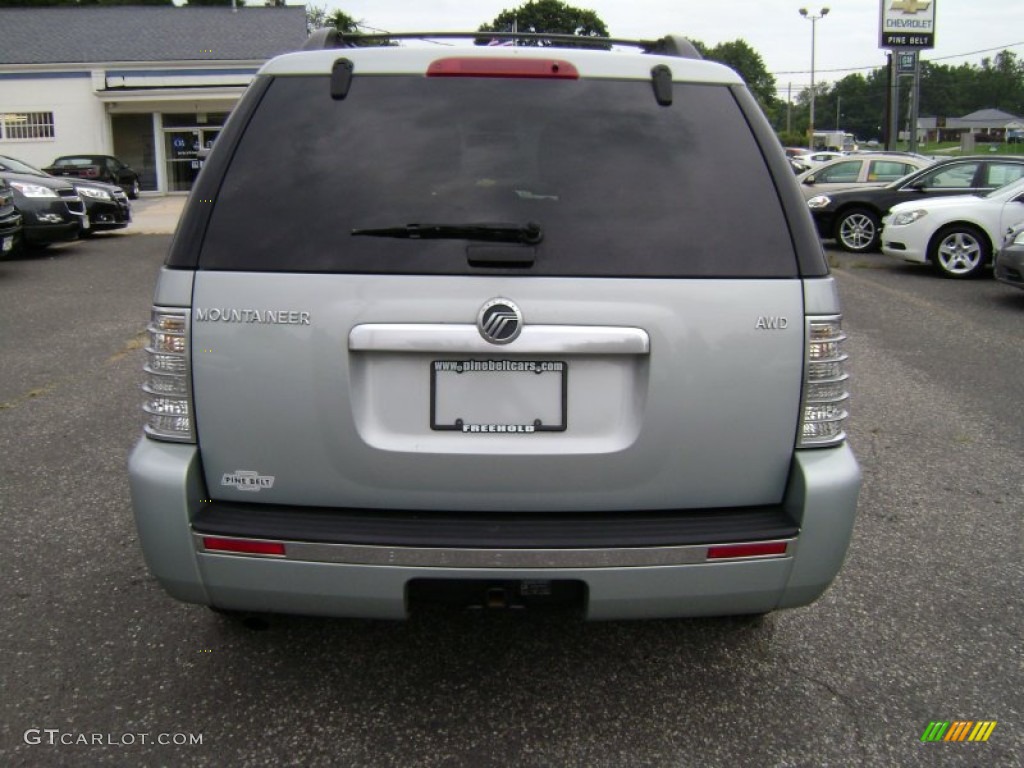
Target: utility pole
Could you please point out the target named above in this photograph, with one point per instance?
(814, 24)
(789, 108)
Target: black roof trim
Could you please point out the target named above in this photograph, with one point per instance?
(670, 45)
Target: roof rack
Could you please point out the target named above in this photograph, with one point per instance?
(670, 45)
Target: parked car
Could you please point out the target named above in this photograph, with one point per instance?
(106, 205)
(1009, 260)
(461, 355)
(10, 220)
(862, 170)
(854, 216)
(97, 168)
(797, 166)
(956, 235)
(820, 157)
(51, 208)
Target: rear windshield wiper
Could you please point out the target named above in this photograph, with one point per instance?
(529, 233)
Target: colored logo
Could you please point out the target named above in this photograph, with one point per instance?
(959, 730)
(910, 6)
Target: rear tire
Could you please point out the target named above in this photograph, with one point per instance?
(858, 231)
(133, 190)
(960, 251)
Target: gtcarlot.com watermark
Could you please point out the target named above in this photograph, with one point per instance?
(57, 737)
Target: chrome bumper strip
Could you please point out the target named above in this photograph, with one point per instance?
(424, 557)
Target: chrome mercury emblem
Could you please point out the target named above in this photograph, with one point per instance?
(499, 321)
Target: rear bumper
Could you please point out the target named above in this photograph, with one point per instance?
(641, 579)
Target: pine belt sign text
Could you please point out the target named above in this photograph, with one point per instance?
(907, 24)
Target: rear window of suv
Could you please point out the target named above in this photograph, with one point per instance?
(619, 185)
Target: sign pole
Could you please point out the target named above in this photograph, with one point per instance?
(905, 28)
(894, 103)
(914, 102)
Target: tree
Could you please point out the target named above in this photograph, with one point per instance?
(343, 23)
(550, 16)
(748, 63)
(1001, 82)
(349, 26)
(316, 17)
(857, 101)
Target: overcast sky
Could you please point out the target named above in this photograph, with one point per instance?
(847, 37)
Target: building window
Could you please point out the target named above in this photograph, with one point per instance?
(15, 126)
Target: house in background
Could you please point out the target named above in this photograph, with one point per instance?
(149, 84)
(984, 125)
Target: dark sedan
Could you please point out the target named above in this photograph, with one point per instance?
(854, 216)
(10, 220)
(106, 168)
(106, 205)
(51, 208)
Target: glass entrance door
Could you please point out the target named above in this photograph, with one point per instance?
(182, 150)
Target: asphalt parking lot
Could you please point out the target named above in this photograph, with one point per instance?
(924, 623)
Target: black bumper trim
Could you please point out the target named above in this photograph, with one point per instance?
(493, 530)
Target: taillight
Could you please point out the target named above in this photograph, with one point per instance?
(757, 549)
(244, 546)
(168, 385)
(823, 411)
(470, 66)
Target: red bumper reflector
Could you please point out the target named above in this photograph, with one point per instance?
(243, 546)
(467, 66)
(726, 551)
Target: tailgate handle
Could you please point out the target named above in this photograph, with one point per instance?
(500, 256)
(534, 339)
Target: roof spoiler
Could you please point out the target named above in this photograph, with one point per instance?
(670, 45)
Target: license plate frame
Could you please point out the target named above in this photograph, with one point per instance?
(551, 381)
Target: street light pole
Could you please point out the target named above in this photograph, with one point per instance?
(814, 23)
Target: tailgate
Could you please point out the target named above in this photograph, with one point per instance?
(372, 391)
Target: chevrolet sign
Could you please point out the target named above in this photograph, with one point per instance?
(907, 24)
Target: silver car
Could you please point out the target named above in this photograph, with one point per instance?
(862, 170)
(496, 323)
(1009, 260)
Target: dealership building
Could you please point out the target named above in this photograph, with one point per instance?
(149, 84)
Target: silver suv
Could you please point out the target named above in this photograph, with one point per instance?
(500, 322)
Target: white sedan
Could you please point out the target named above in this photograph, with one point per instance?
(955, 234)
(817, 158)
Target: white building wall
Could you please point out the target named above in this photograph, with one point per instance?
(80, 121)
